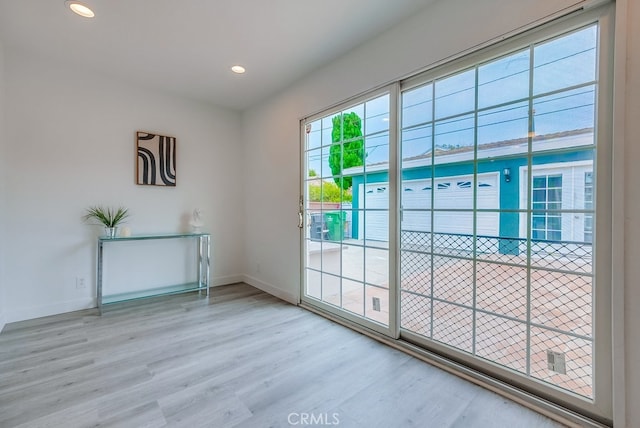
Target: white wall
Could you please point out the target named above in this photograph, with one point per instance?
(271, 138)
(271, 130)
(71, 144)
(2, 191)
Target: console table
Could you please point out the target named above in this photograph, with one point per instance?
(202, 283)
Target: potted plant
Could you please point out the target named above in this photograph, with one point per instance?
(109, 217)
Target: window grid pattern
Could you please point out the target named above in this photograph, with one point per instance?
(588, 205)
(507, 298)
(347, 273)
(547, 203)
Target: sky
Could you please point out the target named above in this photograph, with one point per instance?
(557, 77)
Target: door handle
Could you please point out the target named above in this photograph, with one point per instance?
(300, 213)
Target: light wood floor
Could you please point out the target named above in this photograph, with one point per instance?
(240, 358)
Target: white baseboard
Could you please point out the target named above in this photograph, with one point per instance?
(270, 289)
(81, 304)
(89, 303)
(225, 280)
(53, 309)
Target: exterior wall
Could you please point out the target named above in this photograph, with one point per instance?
(323, 206)
(509, 192)
(377, 177)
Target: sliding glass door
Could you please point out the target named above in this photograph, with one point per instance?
(496, 232)
(467, 209)
(347, 197)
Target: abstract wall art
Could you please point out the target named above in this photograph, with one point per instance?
(156, 159)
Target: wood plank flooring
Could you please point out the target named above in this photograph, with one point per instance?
(240, 358)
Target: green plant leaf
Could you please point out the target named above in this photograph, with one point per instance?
(108, 217)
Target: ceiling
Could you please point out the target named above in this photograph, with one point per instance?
(187, 47)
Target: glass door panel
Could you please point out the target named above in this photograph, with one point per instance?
(498, 214)
(347, 197)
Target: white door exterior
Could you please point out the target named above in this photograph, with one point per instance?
(573, 196)
(451, 193)
(376, 225)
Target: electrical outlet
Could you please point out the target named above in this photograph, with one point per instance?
(258, 268)
(376, 304)
(80, 282)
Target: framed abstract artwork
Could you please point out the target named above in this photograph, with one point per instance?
(156, 159)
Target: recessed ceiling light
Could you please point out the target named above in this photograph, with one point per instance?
(80, 8)
(238, 69)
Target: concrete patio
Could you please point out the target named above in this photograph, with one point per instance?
(439, 305)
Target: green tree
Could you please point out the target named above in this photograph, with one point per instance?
(328, 192)
(347, 147)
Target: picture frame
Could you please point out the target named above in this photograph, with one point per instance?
(155, 159)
